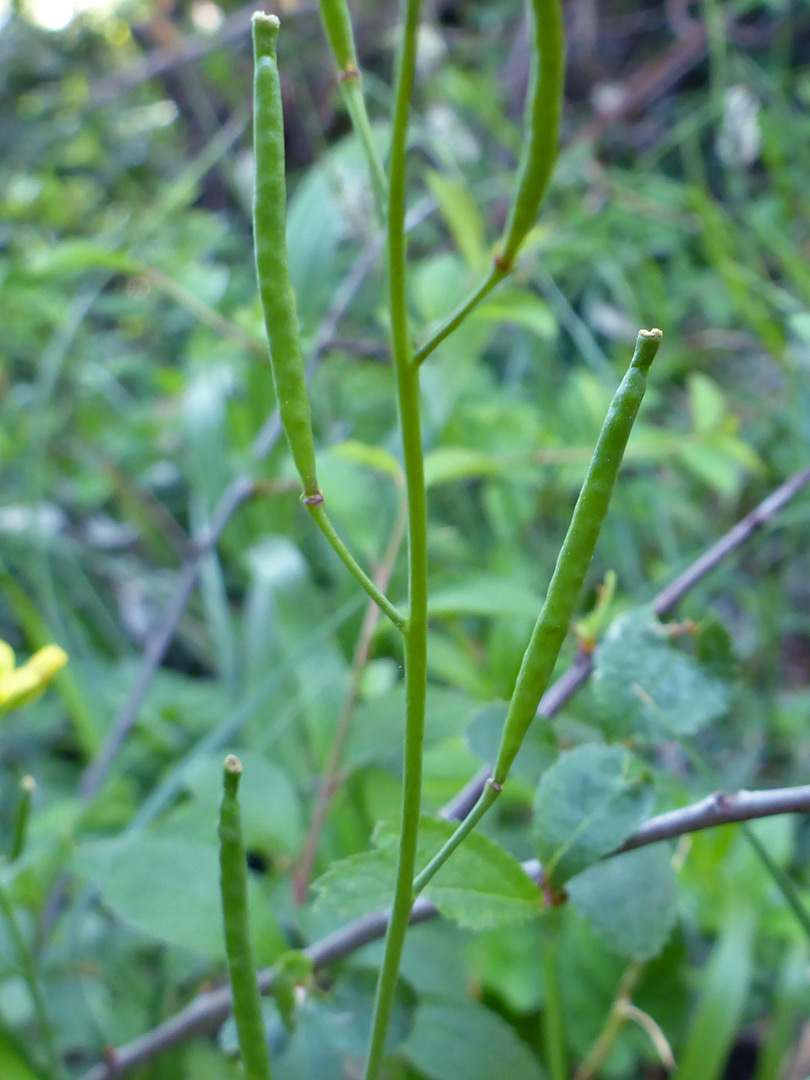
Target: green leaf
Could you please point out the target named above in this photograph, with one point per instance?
(79, 256)
(587, 804)
(451, 463)
(629, 900)
(377, 730)
(461, 216)
(521, 308)
(723, 996)
(373, 457)
(484, 594)
(707, 403)
(272, 817)
(483, 737)
(14, 1065)
(169, 890)
(462, 1039)
(646, 687)
(481, 887)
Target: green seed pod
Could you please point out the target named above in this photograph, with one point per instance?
(575, 555)
(338, 26)
(21, 817)
(270, 242)
(541, 125)
(247, 1006)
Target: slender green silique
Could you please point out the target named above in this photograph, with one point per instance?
(542, 124)
(29, 971)
(278, 297)
(337, 24)
(247, 1004)
(270, 243)
(540, 141)
(573, 561)
(21, 817)
(415, 638)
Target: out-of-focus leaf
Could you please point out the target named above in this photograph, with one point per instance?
(629, 900)
(461, 216)
(14, 1065)
(454, 1039)
(271, 808)
(484, 594)
(450, 463)
(587, 803)
(374, 457)
(724, 991)
(520, 308)
(169, 890)
(648, 688)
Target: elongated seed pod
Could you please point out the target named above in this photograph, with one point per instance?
(21, 817)
(575, 554)
(338, 26)
(247, 1006)
(541, 124)
(270, 243)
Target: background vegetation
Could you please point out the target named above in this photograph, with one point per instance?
(135, 400)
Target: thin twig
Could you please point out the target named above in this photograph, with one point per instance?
(209, 1010)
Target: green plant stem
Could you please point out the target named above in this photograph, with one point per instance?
(31, 977)
(614, 1022)
(21, 817)
(319, 516)
(552, 1007)
(495, 276)
(247, 1005)
(566, 582)
(355, 101)
(407, 376)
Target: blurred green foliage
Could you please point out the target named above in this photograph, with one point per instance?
(133, 386)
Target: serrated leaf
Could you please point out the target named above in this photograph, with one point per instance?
(586, 805)
(647, 688)
(480, 887)
(629, 900)
(360, 884)
(462, 1039)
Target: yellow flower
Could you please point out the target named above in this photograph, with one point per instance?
(22, 685)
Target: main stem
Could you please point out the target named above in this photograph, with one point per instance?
(407, 374)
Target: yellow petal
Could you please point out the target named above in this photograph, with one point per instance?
(6, 658)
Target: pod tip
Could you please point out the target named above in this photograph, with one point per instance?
(233, 765)
(266, 18)
(28, 784)
(654, 333)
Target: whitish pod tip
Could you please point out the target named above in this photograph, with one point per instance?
(646, 348)
(28, 784)
(233, 765)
